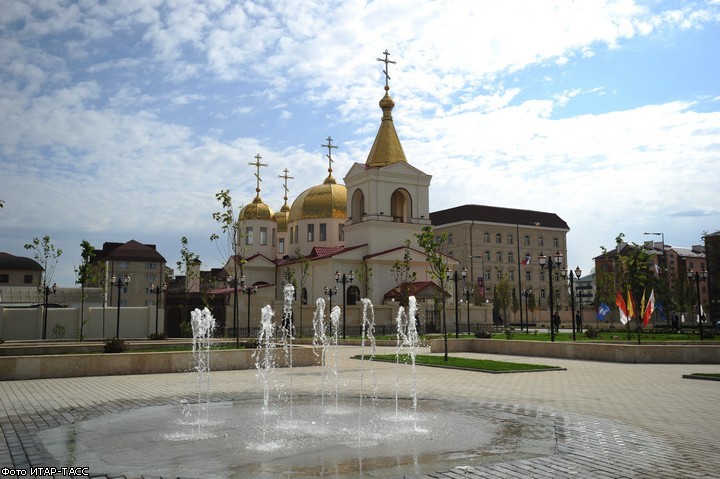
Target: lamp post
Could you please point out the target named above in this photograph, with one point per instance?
(344, 280)
(517, 232)
(698, 276)
(554, 263)
(45, 290)
(120, 282)
(249, 290)
(157, 290)
(330, 292)
(667, 270)
(527, 293)
(455, 279)
(467, 292)
(443, 279)
(232, 280)
(564, 273)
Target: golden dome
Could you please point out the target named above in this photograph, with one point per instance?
(281, 218)
(328, 200)
(257, 210)
(386, 149)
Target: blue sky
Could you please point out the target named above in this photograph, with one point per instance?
(121, 120)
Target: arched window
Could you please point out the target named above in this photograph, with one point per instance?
(357, 211)
(400, 206)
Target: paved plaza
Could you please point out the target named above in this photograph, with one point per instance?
(610, 420)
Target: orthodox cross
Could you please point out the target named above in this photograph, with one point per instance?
(257, 165)
(385, 71)
(286, 177)
(329, 146)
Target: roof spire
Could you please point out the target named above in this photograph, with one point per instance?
(385, 71)
(329, 146)
(257, 165)
(286, 177)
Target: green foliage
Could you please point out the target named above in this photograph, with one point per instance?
(115, 345)
(483, 334)
(403, 275)
(465, 363)
(503, 291)
(59, 331)
(157, 336)
(46, 254)
(591, 332)
(508, 333)
(186, 329)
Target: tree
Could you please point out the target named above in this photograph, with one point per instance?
(502, 297)
(89, 273)
(189, 262)
(434, 248)
(47, 255)
(403, 275)
(303, 272)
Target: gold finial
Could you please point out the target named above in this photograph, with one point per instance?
(385, 71)
(286, 177)
(329, 146)
(257, 165)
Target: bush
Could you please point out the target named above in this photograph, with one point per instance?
(508, 333)
(156, 336)
(483, 334)
(115, 345)
(709, 333)
(186, 329)
(59, 331)
(591, 332)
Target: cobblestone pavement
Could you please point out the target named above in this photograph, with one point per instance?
(611, 420)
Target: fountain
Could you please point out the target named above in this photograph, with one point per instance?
(292, 436)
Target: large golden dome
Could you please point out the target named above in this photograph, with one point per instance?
(257, 210)
(328, 200)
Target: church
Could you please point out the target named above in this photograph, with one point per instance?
(340, 241)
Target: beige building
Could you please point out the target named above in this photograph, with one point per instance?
(19, 271)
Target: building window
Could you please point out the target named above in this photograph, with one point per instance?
(542, 294)
(149, 302)
(291, 234)
(487, 255)
(510, 239)
(450, 239)
(527, 240)
(556, 243)
(486, 275)
(4, 278)
(263, 235)
(297, 234)
(310, 233)
(498, 238)
(498, 256)
(341, 232)
(281, 245)
(28, 279)
(150, 265)
(122, 265)
(323, 231)
(150, 278)
(498, 275)
(542, 276)
(528, 276)
(249, 235)
(512, 275)
(273, 236)
(511, 257)
(486, 236)
(541, 241)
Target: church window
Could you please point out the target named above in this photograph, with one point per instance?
(341, 232)
(249, 235)
(400, 206)
(263, 236)
(281, 245)
(310, 233)
(297, 228)
(323, 231)
(358, 207)
(273, 236)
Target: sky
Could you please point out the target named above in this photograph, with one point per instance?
(122, 120)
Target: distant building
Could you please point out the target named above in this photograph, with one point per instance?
(19, 271)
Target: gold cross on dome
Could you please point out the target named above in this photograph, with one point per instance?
(257, 165)
(385, 71)
(286, 177)
(329, 146)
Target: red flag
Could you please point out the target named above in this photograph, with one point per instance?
(620, 302)
(649, 309)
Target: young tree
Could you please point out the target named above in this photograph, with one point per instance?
(47, 255)
(502, 298)
(434, 248)
(303, 273)
(89, 273)
(189, 263)
(404, 276)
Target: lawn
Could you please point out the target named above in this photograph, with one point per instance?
(485, 365)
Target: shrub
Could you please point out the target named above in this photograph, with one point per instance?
(186, 329)
(709, 333)
(483, 334)
(591, 332)
(59, 331)
(115, 345)
(156, 336)
(508, 333)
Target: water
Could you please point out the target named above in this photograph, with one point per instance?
(407, 344)
(203, 325)
(287, 337)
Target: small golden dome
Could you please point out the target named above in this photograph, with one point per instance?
(257, 210)
(281, 218)
(328, 200)
(386, 149)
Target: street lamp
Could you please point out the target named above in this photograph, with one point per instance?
(330, 292)
(519, 273)
(120, 282)
(232, 280)
(249, 290)
(45, 290)
(467, 292)
(553, 264)
(455, 279)
(564, 273)
(157, 289)
(698, 276)
(443, 279)
(526, 293)
(344, 280)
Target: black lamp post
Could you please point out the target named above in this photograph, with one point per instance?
(564, 273)
(157, 290)
(45, 290)
(443, 279)
(344, 280)
(455, 279)
(467, 292)
(121, 283)
(553, 264)
(249, 290)
(698, 276)
(232, 280)
(330, 292)
(527, 293)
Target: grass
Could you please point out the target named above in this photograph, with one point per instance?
(485, 365)
(707, 375)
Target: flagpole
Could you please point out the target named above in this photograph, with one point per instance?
(637, 313)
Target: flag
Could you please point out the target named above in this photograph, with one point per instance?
(620, 302)
(657, 269)
(630, 305)
(526, 261)
(642, 305)
(659, 309)
(649, 309)
(602, 311)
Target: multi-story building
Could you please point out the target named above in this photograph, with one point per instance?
(19, 271)
(493, 242)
